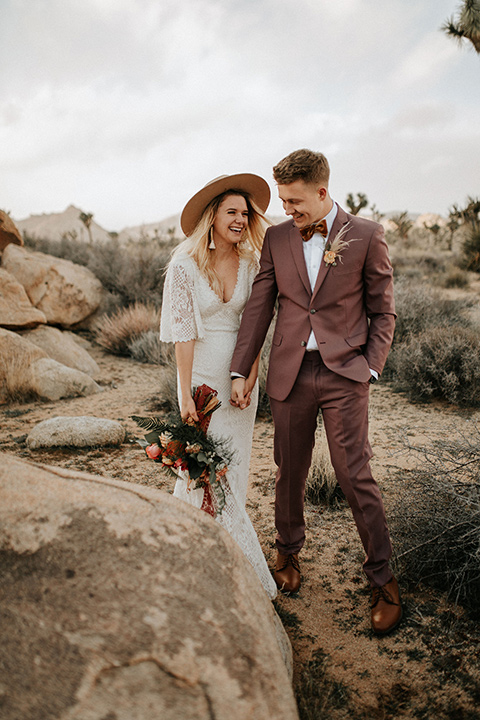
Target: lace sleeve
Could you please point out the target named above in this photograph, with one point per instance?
(181, 320)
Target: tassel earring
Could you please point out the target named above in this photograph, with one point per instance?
(212, 243)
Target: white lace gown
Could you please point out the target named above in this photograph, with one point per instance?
(191, 310)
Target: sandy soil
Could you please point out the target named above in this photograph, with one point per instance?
(427, 669)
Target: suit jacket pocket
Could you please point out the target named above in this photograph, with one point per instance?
(357, 340)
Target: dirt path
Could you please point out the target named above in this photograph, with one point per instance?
(427, 669)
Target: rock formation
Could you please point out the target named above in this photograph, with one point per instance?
(67, 293)
(121, 602)
(25, 369)
(78, 431)
(61, 346)
(16, 310)
(9, 232)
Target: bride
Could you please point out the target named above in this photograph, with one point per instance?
(207, 285)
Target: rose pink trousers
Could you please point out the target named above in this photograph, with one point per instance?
(344, 407)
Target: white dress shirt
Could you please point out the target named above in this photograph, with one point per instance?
(313, 251)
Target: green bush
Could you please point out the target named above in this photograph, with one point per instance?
(436, 521)
(443, 362)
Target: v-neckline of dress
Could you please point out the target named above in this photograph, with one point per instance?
(224, 302)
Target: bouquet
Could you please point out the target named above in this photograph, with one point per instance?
(183, 447)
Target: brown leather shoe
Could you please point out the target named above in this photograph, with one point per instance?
(386, 608)
(287, 572)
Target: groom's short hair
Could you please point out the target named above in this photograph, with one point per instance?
(307, 165)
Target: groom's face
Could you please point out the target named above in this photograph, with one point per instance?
(305, 202)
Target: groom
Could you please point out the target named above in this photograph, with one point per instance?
(331, 276)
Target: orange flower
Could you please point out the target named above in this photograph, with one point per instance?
(330, 257)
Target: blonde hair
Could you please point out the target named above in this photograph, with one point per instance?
(196, 245)
(307, 165)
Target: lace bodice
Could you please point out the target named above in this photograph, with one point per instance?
(191, 308)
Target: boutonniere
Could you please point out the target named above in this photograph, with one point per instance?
(335, 247)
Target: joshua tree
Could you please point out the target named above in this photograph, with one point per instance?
(86, 219)
(376, 214)
(467, 25)
(469, 218)
(403, 223)
(356, 205)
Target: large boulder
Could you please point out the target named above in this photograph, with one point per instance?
(65, 292)
(16, 358)
(61, 346)
(9, 232)
(26, 370)
(16, 310)
(52, 381)
(80, 431)
(120, 601)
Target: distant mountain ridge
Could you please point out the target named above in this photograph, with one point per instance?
(55, 226)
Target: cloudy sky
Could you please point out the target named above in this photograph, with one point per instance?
(126, 107)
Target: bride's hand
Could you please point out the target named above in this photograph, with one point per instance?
(239, 397)
(188, 411)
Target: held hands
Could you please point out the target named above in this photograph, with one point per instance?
(241, 393)
(188, 411)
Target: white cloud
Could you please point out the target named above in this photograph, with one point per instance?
(128, 106)
(426, 61)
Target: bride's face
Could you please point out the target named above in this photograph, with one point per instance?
(231, 220)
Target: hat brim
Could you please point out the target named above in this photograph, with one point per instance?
(254, 185)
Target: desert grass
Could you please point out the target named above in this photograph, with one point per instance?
(321, 486)
(15, 378)
(117, 333)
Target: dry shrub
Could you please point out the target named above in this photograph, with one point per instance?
(15, 377)
(454, 277)
(165, 400)
(418, 262)
(135, 273)
(117, 332)
(436, 521)
(322, 487)
(319, 696)
(148, 348)
(442, 363)
(419, 307)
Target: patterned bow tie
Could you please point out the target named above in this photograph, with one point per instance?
(319, 227)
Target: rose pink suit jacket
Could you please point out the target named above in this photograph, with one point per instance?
(351, 309)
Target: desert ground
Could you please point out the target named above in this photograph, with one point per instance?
(427, 669)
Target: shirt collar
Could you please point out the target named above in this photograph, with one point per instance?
(330, 216)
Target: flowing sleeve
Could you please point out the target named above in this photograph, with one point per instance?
(181, 320)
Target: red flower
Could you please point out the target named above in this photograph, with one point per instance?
(153, 451)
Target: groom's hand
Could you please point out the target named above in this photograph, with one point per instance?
(239, 398)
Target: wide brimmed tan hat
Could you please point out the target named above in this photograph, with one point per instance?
(254, 185)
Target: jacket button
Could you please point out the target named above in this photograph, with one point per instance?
(313, 311)
(303, 343)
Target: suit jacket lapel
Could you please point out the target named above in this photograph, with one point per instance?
(296, 245)
(341, 219)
